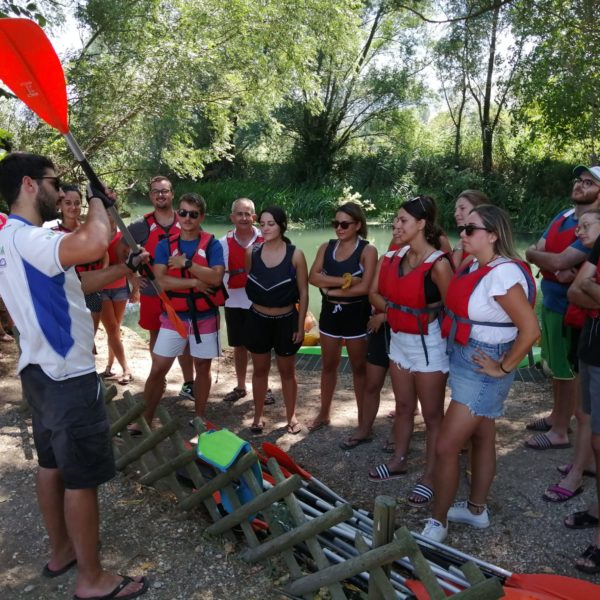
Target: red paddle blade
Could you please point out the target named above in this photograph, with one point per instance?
(554, 586)
(32, 70)
(179, 325)
(284, 459)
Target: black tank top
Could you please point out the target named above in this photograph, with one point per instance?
(276, 286)
(336, 268)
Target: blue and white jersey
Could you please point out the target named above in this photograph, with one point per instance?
(45, 301)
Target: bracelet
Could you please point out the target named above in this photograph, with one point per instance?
(504, 370)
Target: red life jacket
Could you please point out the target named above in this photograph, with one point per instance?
(157, 232)
(456, 325)
(407, 310)
(191, 300)
(236, 260)
(557, 240)
(575, 315)
(91, 266)
(3, 219)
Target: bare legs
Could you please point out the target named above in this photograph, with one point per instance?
(458, 426)
(202, 385)
(71, 519)
(154, 388)
(112, 316)
(429, 388)
(286, 365)
(375, 378)
(260, 377)
(240, 360)
(331, 349)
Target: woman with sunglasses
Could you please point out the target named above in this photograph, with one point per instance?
(490, 325)
(410, 287)
(465, 203)
(277, 283)
(343, 270)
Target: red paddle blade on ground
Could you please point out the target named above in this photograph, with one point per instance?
(284, 459)
(32, 70)
(558, 587)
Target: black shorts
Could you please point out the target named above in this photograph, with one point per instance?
(378, 347)
(235, 320)
(70, 428)
(345, 321)
(93, 302)
(264, 332)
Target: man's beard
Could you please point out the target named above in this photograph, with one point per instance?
(46, 206)
(585, 201)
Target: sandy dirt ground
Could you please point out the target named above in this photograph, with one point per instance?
(142, 530)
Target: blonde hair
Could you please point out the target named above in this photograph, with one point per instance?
(497, 221)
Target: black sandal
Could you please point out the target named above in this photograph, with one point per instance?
(591, 553)
(582, 519)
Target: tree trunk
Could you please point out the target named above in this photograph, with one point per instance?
(487, 129)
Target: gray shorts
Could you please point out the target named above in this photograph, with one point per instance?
(589, 378)
(70, 429)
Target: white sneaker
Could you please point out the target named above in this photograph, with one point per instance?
(434, 530)
(460, 513)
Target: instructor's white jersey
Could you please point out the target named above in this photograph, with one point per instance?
(45, 301)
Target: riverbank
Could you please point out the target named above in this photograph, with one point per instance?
(143, 532)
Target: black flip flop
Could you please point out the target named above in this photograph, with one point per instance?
(50, 573)
(582, 519)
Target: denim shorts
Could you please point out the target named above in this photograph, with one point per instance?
(589, 377)
(70, 429)
(116, 294)
(482, 394)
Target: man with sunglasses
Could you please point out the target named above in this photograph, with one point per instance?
(71, 432)
(147, 232)
(558, 253)
(189, 267)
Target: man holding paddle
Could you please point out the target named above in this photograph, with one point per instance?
(71, 432)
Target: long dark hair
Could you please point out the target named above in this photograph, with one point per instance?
(279, 217)
(424, 208)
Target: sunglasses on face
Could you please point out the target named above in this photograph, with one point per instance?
(470, 229)
(160, 192)
(193, 214)
(55, 181)
(343, 224)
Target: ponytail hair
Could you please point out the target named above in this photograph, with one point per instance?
(423, 208)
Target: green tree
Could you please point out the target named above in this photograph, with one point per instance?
(365, 76)
(558, 89)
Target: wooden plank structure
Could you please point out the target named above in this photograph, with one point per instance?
(158, 464)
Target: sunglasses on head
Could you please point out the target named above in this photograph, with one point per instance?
(343, 224)
(55, 181)
(194, 214)
(470, 229)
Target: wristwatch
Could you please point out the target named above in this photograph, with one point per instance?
(188, 264)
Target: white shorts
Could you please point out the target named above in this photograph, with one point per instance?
(406, 350)
(170, 344)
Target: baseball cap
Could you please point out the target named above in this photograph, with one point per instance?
(593, 171)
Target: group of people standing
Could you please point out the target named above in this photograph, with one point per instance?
(429, 314)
